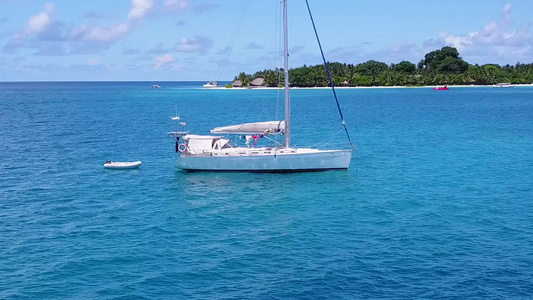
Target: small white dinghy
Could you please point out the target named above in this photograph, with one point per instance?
(122, 164)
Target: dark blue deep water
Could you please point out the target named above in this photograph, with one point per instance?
(438, 202)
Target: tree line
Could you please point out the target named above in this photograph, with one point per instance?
(439, 67)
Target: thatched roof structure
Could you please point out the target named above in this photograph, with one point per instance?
(237, 83)
(257, 82)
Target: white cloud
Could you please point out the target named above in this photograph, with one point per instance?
(253, 46)
(93, 61)
(130, 51)
(36, 25)
(496, 41)
(39, 22)
(97, 15)
(82, 39)
(403, 51)
(162, 60)
(139, 8)
(507, 11)
(101, 34)
(158, 49)
(194, 44)
(50, 49)
(459, 42)
(177, 5)
(202, 8)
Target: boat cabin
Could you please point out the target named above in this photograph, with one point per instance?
(199, 144)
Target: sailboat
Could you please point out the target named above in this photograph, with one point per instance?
(176, 117)
(216, 153)
(211, 84)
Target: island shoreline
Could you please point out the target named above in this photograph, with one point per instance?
(363, 87)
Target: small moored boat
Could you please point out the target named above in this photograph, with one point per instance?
(211, 84)
(441, 88)
(503, 85)
(122, 164)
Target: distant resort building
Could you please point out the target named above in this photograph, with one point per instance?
(345, 83)
(254, 83)
(257, 82)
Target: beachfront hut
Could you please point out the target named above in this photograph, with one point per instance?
(345, 83)
(257, 82)
(237, 83)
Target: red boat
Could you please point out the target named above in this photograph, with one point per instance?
(440, 88)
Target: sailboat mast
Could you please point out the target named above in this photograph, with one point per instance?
(286, 73)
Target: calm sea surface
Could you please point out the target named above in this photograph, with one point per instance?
(438, 202)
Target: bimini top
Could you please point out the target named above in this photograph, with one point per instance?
(200, 143)
(269, 127)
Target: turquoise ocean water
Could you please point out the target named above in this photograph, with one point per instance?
(438, 202)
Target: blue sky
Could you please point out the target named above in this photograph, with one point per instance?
(170, 40)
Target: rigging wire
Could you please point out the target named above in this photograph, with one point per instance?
(228, 49)
(329, 74)
(277, 61)
(274, 140)
(327, 140)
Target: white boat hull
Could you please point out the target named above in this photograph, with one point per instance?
(211, 84)
(123, 165)
(315, 160)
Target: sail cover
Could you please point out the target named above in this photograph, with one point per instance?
(270, 127)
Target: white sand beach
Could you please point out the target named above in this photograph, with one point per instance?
(366, 87)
